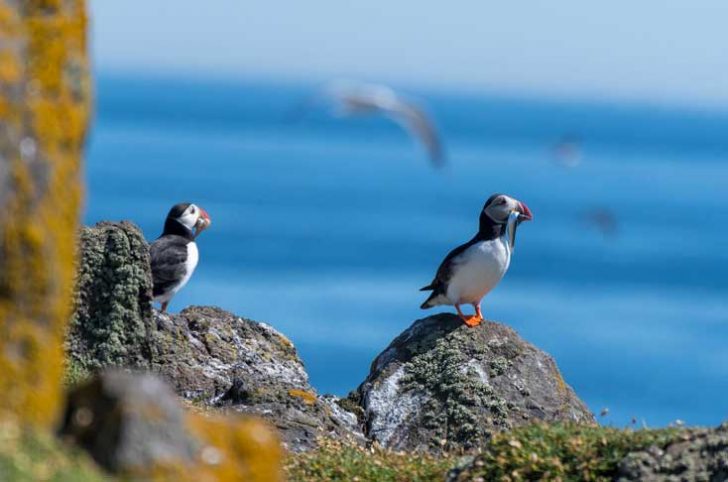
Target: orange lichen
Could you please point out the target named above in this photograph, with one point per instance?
(230, 448)
(236, 448)
(45, 109)
(307, 397)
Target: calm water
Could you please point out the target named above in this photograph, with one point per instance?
(327, 228)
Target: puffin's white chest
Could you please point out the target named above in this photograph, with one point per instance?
(478, 270)
(193, 256)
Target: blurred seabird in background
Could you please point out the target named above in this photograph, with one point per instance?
(603, 219)
(349, 99)
(567, 152)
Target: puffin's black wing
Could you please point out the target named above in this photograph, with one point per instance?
(168, 259)
(438, 286)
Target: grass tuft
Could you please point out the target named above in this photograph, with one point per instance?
(337, 461)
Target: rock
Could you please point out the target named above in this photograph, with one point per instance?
(211, 357)
(698, 454)
(441, 385)
(112, 322)
(133, 425)
(217, 359)
(45, 104)
(126, 422)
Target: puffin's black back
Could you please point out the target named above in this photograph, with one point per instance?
(172, 224)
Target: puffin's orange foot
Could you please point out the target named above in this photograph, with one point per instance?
(473, 321)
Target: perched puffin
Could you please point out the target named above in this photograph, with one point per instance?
(470, 271)
(174, 254)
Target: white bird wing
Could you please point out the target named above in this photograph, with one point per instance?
(350, 98)
(416, 121)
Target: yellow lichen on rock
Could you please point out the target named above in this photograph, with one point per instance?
(237, 448)
(308, 398)
(231, 448)
(44, 110)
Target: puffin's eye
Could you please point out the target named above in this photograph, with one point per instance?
(192, 210)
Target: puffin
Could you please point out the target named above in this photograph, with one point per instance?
(472, 270)
(174, 254)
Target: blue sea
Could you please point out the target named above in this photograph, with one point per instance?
(326, 228)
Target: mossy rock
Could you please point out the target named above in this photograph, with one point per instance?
(443, 386)
(112, 321)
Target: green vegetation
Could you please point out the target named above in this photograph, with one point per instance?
(336, 461)
(27, 456)
(561, 452)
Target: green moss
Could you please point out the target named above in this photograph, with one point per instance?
(75, 374)
(111, 325)
(458, 392)
(337, 461)
(562, 452)
(26, 456)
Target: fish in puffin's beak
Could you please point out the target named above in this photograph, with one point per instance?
(203, 222)
(524, 213)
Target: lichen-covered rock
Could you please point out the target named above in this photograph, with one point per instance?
(44, 110)
(441, 385)
(112, 319)
(133, 425)
(221, 360)
(208, 355)
(697, 454)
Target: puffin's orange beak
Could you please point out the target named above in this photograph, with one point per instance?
(203, 222)
(525, 212)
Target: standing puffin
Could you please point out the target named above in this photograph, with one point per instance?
(174, 254)
(470, 271)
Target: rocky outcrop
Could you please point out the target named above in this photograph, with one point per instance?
(697, 454)
(211, 357)
(133, 425)
(441, 385)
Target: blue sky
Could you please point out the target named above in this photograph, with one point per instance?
(660, 51)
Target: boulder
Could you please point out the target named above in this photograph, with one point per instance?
(443, 386)
(697, 454)
(133, 425)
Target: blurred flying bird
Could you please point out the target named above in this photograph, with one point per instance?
(356, 99)
(602, 219)
(567, 152)
(174, 254)
(472, 270)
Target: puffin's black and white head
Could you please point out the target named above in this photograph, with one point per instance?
(186, 219)
(499, 207)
